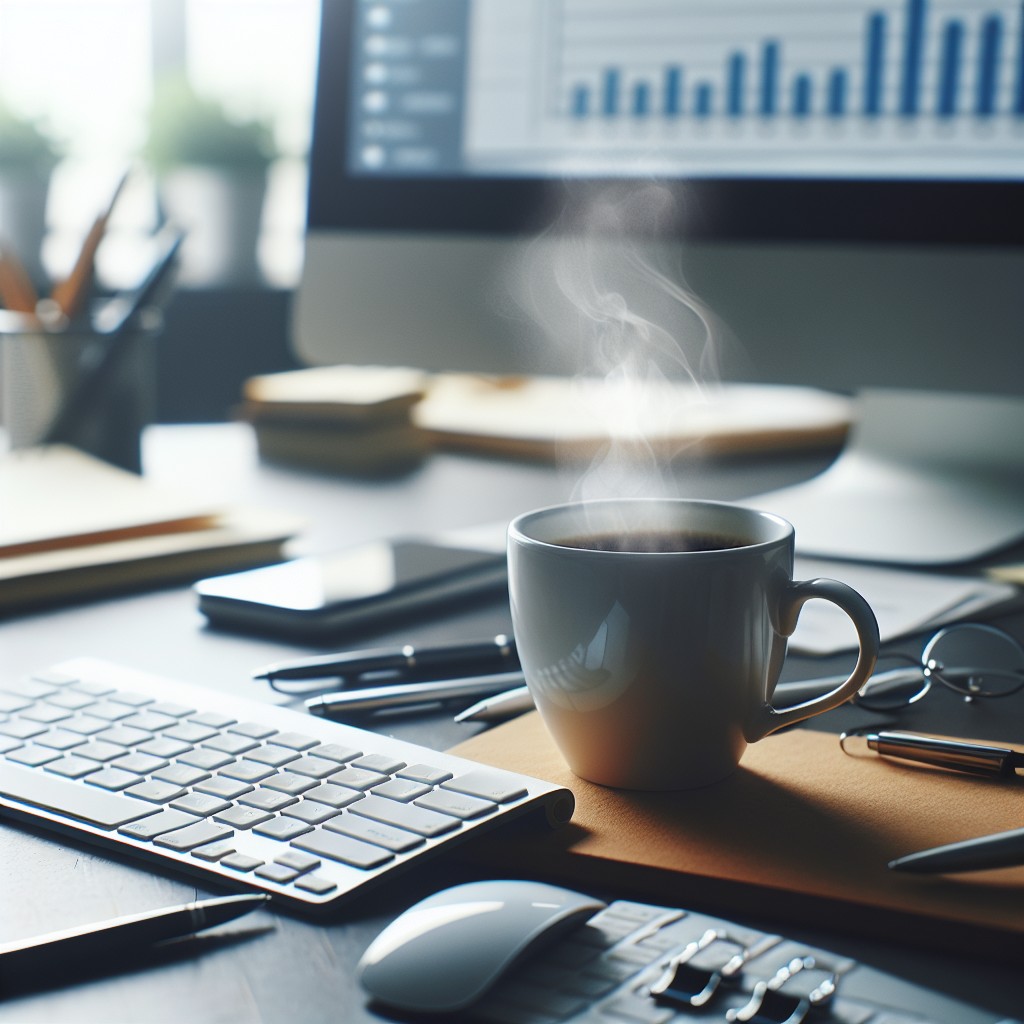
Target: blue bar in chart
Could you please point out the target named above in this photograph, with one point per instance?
(673, 91)
(988, 64)
(734, 89)
(769, 77)
(900, 59)
(874, 60)
(949, 67)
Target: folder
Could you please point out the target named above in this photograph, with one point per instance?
(800, 835)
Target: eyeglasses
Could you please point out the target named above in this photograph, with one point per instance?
(973, 660)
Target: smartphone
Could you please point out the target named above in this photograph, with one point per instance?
(320, 598)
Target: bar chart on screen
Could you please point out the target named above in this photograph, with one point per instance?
(891, 88)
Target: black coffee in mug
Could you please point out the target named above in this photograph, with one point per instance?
(662, 541)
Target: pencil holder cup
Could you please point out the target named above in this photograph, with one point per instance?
(79, 385)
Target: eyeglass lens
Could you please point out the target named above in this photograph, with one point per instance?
(974, 660)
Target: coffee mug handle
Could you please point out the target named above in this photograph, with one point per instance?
(791, 600)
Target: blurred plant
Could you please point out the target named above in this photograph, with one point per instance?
(24, 146)
(186, 128)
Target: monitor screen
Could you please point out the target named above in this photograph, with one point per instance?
(895, 127)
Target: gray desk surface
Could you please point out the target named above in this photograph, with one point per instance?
(275, 967)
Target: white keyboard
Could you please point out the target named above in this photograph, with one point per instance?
(255, 795)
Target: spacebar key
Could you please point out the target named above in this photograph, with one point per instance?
(72, 799)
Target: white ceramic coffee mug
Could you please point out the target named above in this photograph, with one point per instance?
(653, 669)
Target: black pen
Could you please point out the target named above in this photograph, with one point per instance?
(123, 934)
(407, 663)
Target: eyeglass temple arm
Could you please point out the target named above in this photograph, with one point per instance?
(955, 755)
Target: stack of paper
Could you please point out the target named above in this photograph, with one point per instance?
(359, 417)
(71, 526)
(352, 419)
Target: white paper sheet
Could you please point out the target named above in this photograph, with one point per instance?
(925, 479)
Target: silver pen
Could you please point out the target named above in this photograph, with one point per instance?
(515, 702)
(76, 946)
(399, 695)
(500, 706)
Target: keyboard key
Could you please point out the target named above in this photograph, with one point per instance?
(171, 709)
(158, 792)
(199, 803)
(229, 789)
(336, 752)
(231, 743)
(150, 720)
(191, 836)
(110, 711)
(288, 782)
(358, 778)
(21, 729)
(157, 824)
(189, 733)
(487, 785)
(214, 852)
(310, 811)
(341, 848)
(424, 773)
(9, 703)
(135, 700)
(271, 754)
(165, 747)
(336, 796)
(267, 799)
(203, 757)
(276, 873)
(401, 789)
(457, 804)
(242, 817)
(70, 699)
(296, 740)
(45, 713)
(241, 862)
(60, 739)
(315, 884)
(282, 829)
(72, 767)
(33, 689)
(395, 839)
(246, 771)
(313, 767)
(33, 756)
(113, 778)
(382, 763)
(415, 819)
(101, 750)
(86, 725)
(125, 735)
(254, 730)
(181, 774)
(214, 719)
(141, 764)
(298, 861)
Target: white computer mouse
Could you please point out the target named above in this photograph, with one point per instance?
(445, 952)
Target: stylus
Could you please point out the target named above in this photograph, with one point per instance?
(402, 695)
(124, 934)
(405, 664)
(1000, 850)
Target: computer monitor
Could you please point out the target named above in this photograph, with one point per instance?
(841, 188)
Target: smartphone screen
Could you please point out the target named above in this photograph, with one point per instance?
(351, 587)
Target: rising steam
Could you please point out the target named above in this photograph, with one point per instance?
(606, 286)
